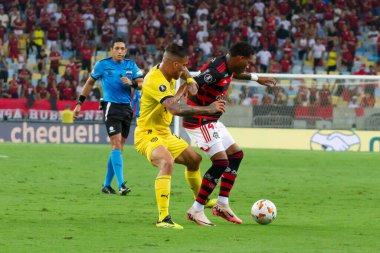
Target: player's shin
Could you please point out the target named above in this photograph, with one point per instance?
(194, 180)
(162, 188)
(229, 176)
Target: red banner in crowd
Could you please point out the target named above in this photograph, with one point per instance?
(20, 103)
(16, 109)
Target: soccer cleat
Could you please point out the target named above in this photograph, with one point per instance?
(224, 211)
(198, 217)
(108, 190)
(123, 190)
(210, 203)
(168, 223)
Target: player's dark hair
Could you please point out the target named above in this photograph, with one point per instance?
(118, 40)
(176, 50)
(242, 49)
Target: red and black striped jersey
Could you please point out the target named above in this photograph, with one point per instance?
(213, 82)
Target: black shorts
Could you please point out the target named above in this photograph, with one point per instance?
(117, 118)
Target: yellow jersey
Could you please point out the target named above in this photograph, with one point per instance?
(67, 116)
(331, 59)
(153, 115)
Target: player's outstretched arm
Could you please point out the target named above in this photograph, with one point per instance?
(184, 110)
(86, 91)
(266, 81)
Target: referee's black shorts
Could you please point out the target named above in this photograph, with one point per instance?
(117, 118)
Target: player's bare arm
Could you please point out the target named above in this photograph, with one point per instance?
(182, 91)
(86, 91)
(136, 84)
(191, 83)
(266, 81)
(178, 109)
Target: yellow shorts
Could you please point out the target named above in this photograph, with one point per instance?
(147, 140)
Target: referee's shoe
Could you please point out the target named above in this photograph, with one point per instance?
(123, 190)
(108, 190)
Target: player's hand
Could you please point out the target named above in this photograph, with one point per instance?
(126, 80)
(267, 81)
(77, 110)
(218, 106)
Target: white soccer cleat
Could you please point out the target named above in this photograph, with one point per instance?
(198, 217)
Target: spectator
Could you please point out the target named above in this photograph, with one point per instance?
(37, 39)
(13, 87)
(324, 96)
(331, 60)
(87, 52)
(367, 101)
(286, 64)
(67, 92)
(67, 115)
(353, 103)
(280, 97)
(55, 57)
(347, 58)
(122, 26)
(264, 57)
(4, 91)
(52, 35)
(13, 47)
(3, 69)
(41, 61)
(318, 51)
(18, 25)
(107, 35)
(43, 93)
(3, 32)
(4, 18)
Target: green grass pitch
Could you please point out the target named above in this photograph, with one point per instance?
(50, 201)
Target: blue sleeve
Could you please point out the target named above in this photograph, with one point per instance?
(98, 70)
(137, 72)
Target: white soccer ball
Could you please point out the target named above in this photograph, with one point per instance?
(264, 211)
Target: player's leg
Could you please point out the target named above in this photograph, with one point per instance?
(191, 160)
(117, 162)
(162, 158)
(208, 140)
(106, 188)
(114, 127)
(235, 155)
(125, 127)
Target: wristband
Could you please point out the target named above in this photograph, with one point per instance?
(81, 99)
(254, 77)
(190, 80)
(135, 85)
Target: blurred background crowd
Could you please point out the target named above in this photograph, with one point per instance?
(48, 48)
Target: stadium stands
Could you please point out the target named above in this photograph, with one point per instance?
(285, 27)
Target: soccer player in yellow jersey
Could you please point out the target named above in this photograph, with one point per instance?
(153, 137)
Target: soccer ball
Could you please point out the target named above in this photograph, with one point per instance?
(264, 211)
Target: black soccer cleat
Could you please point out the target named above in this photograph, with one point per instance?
(123, 190)
(108, 190)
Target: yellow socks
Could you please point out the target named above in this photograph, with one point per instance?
(162, 186)
(194, 180)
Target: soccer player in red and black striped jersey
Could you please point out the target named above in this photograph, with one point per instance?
(210, 134)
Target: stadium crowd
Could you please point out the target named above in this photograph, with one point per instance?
(47, 47)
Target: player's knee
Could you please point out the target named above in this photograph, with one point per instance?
(223, 163)
(167, 166)
(237, 155)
